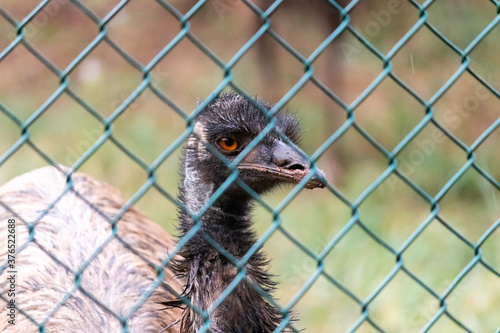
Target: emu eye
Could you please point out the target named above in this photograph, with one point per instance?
(228, 144)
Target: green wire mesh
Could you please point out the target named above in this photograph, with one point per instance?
(226, 68)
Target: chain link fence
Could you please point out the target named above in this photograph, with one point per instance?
(429, 297)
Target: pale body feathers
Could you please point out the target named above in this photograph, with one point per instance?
(72, 231)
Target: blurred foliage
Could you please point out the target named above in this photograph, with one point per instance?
(393, 211)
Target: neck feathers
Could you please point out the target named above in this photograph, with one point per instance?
(208, 273)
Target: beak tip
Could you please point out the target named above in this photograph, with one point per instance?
(317, 181)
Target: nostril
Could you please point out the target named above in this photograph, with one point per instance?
(295, 166)
(287, 158)
(289, 164)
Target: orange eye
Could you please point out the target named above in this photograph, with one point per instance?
(228, 144)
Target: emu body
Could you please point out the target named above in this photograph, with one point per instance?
(72, 231)
(74, 249)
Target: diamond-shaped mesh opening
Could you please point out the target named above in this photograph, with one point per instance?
(292, 273)
(362, 270)
(394, 224)
(389, 114)
(442, 15)
(127, 167)
(105, 87)
(431, 150)
(305, 106)
(360, 65)
(372, 162)
(399, 105)
(161, 210)
(102, 260)
(186, 91)
(383, 23)
(60, 45)
(471, 187)
(48, 227)
(437, 250)
(137, 127)
(284, 70)
(335, 312)
(154, 28)
(421, 71)
(65, 131)
(26, 82)
(233, 30)
(467, 109)
(403, 297)
(321, 17)
(300, 223)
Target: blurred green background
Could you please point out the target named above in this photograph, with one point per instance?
(142, 28)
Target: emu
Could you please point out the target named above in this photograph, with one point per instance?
(82, 267)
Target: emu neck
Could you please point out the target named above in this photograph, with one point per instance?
(208, 273)
(226, 220)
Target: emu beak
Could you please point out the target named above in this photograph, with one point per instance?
(286, 165)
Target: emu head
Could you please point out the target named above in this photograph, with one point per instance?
(228, 125)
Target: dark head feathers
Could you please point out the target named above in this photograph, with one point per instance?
(232, 113)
